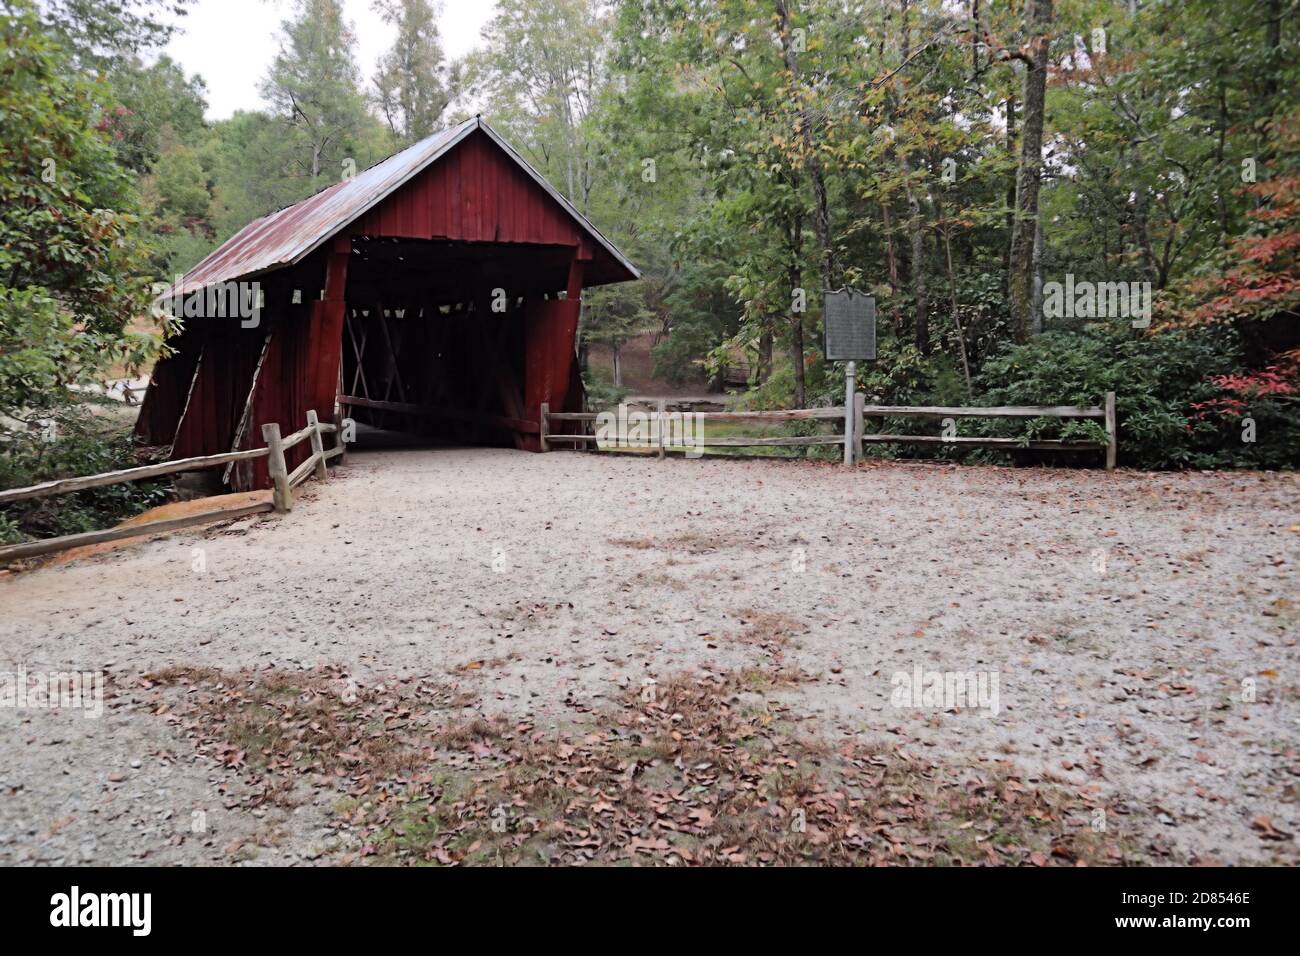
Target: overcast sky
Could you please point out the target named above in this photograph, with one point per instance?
(231, 43)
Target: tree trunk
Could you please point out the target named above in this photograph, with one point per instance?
(1141, 218)
(1036, 300)
(1011, 192)
(764, 354)
(1030, 173)
(796, 357)
(821, 205)
(915, 223)
(1272, 83)
(946, 226)
(794, 275)
(895, 316)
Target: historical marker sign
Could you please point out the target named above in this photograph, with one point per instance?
(850, 319)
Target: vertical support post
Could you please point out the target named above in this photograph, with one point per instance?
(317, 446)
(859, 428)
(339, 416)
(325, 332)
(543, 426)
(1112, 435)
(850, 386)
(660, 414)
(550, 359)
(282, 497)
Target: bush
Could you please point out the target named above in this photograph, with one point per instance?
(601, 391)
(71, 443)
(1173, 396)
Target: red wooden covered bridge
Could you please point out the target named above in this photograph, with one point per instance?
(436, 292)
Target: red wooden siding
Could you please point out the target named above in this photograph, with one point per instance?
(473, 194)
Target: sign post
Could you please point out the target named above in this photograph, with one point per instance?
(850, 320)
(850, 386)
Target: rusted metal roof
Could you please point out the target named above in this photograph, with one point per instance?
(287, 236)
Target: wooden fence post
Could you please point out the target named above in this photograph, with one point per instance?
(662, 411)
(317, 446)
(282, 497)
(859, 427)
(543, 425)
(342, 457)
(1112, 436)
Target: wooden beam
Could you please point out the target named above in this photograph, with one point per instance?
(446, 414)
(49, 546)
(859, 402)
(1112, 434)
(317, 445)
(303, 471)
(129, 474)
(779, 441)
(358, 351)
(248, 404)
(835, 412)
(297, 437)
(282, 497)
(997, 411)
(662, 413)
(1008, 443)
(189, 396)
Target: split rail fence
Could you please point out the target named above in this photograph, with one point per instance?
(281, 496)
(857, 437)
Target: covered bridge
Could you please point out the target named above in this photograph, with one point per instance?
(436, 292)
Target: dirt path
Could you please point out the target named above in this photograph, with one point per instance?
(1127, 620)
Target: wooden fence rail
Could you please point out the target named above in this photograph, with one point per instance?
(858, 437)
(1105, 412)
(282, 496)
(660, 416)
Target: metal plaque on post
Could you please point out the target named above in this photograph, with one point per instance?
(850, 319)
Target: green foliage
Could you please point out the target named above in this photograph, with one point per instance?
(313, 87)
(160, 106)
(98, 33)
(72, 263)
(901, 375)
(539, 73)
(70, 443)
(410, 82)
(1157, 379)
(601, 391)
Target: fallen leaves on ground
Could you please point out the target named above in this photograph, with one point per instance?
(700, 770)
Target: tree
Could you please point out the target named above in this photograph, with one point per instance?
(1029, 175)
(313, 88)
(540, 70)
(71, 259)
(99, 33)
(158, 100)
(410, 83)
(614, 315)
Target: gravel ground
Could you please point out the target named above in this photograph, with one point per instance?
(1140, 628)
